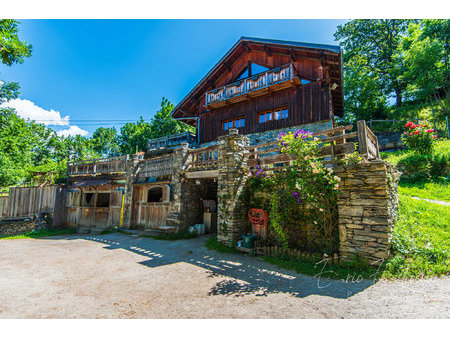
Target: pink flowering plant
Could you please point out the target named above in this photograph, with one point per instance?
(303, 192)
(419, 138)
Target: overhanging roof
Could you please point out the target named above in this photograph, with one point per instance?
(280, 43)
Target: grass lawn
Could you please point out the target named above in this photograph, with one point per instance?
(41, 233)
(434, 190)
(421, 248)
(421, 240)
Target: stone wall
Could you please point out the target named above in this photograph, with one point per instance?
(368, 207)
(270, 135)
(21, 227)
(233, 174)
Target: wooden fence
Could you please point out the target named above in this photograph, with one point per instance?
(28, 201)
(336, 144)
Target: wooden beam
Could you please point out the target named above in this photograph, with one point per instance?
(292, 55)
(227, 66)
(247, 48)
(267, 50)
(202, 174)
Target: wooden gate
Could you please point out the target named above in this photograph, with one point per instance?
(150, 205)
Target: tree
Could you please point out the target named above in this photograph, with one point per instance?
(163, 124)
(106, 142)
(12, 51)
(376, 41)
(134, 136)
(425, 51)
(364, 97)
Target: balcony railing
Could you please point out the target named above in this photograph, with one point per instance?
(170, 141)
(111, 165)
(155, 167)
(251, 84)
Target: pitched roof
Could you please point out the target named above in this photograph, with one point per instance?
(244, 39)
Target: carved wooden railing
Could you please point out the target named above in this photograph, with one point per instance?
(202, 159)
(247, 85)
(154, 167)
(335, 146)
(111, 165)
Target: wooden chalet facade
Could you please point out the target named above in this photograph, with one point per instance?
(260, 87)
(263, 84)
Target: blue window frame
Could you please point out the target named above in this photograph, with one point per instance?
(276, 114)
(236, 123)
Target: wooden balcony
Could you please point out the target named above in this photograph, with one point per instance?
(97, 166)
(170, 141)
(259, 84)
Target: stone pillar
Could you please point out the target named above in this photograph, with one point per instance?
(175, 215)
(368, 207)
(233, 174)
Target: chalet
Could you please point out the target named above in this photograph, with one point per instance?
(261, 85)
(258, 89)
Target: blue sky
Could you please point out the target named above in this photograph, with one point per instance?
(120, 69)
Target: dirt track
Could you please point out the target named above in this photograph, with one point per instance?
(119, 276)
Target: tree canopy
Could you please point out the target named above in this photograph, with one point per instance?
(404, 59)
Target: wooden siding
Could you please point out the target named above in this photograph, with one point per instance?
(77, 214)
(149, 215)
(306, 104)
(28, 201)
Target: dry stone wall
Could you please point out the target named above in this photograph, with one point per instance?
(368, 207)
(233, 173)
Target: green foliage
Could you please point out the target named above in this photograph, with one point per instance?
(113, 231)
(421, 240)
(12, 50)
(371, 45)
(435, 190)
(347, 271)
(106, 142)
(8, 91)
(419, 138)
(41, 233)
(134, 136)
(213, 244)
(419, 167)
(405, 58)
(300, 194)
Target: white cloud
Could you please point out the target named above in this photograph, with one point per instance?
(72, 131)
(29, 110)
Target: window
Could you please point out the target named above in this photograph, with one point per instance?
(88, 199)
(276, 114)
(236, 123)
(154, 194)
(103, 199)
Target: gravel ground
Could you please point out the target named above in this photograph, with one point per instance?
(120, 276)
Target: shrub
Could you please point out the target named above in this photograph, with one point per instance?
(415, 166)
(419, 138)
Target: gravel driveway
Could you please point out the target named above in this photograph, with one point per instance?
(120, 276)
